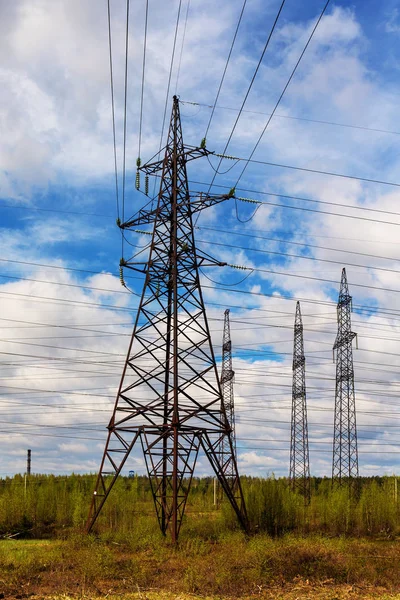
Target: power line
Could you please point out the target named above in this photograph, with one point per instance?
(71, 285)
(170, 74)
(167, 94)
(386, 311)
(294, 118)
(125, 111)
(262, 270)
(54, 210)
(249, 89)
(305, 209)
(307, 170)
(226, 67)
(247, 321)
(62, 348)
(143, 72)
(283, 92)
(293, 243)
(299, 256)
(182, 46)
(46, 299)
(112, 106)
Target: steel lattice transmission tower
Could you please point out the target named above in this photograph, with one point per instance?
(345, 454)
(299, 454)
(228, 458)
(169, 398)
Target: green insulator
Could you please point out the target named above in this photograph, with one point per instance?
(118, 222)
(137, 184)
(138, 162)
(232, 192)
(203, 143)
(121, 277)
(146, 185)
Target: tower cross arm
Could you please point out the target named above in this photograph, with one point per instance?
(198, 203)
(189, 153)
(344, 338)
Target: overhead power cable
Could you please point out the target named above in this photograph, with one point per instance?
(301, 208)
(113, 106)
(387, 311)
(226, 67)
(249, 88)
(143, 72)
(283, 92)
(299, 256)
(254, 235)
(74, 327)
(125, 111)
(182, 46)
(70, 285)
(318, 172)
(294, 118)
(170, 74)
(167, 94)
(222, 285)
(55, 210)
(374, 310)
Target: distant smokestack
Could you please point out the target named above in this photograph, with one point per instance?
(28, 463)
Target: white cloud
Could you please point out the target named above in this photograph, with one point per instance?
(56, 129)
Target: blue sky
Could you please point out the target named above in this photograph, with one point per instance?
(61, 358)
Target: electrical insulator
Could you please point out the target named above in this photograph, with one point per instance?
(146, 185)
(121, 277)
(137, 185)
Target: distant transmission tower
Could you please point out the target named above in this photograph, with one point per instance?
(170, 400)
(299, 455)
(345, 454)
(228, 458)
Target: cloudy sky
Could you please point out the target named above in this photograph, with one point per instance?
(65, 319)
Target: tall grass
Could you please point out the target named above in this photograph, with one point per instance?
(48, 505)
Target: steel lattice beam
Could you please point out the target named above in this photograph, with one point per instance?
(299, 474)
(227, 407)
(345, 454)
(170, 397)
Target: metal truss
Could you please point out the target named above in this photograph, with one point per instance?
(299, 475)
(228, 459)
(170, 400)
(345, 454)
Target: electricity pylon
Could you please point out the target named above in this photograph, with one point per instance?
(228, 458)
(169, 398)
(299, 455)
(345, 454)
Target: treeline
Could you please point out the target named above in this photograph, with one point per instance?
(41, 505)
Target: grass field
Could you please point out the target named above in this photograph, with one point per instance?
(339, 546)
(231, 566)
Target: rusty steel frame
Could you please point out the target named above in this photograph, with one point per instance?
(345, 452)
(299, 475)
(170, 395)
